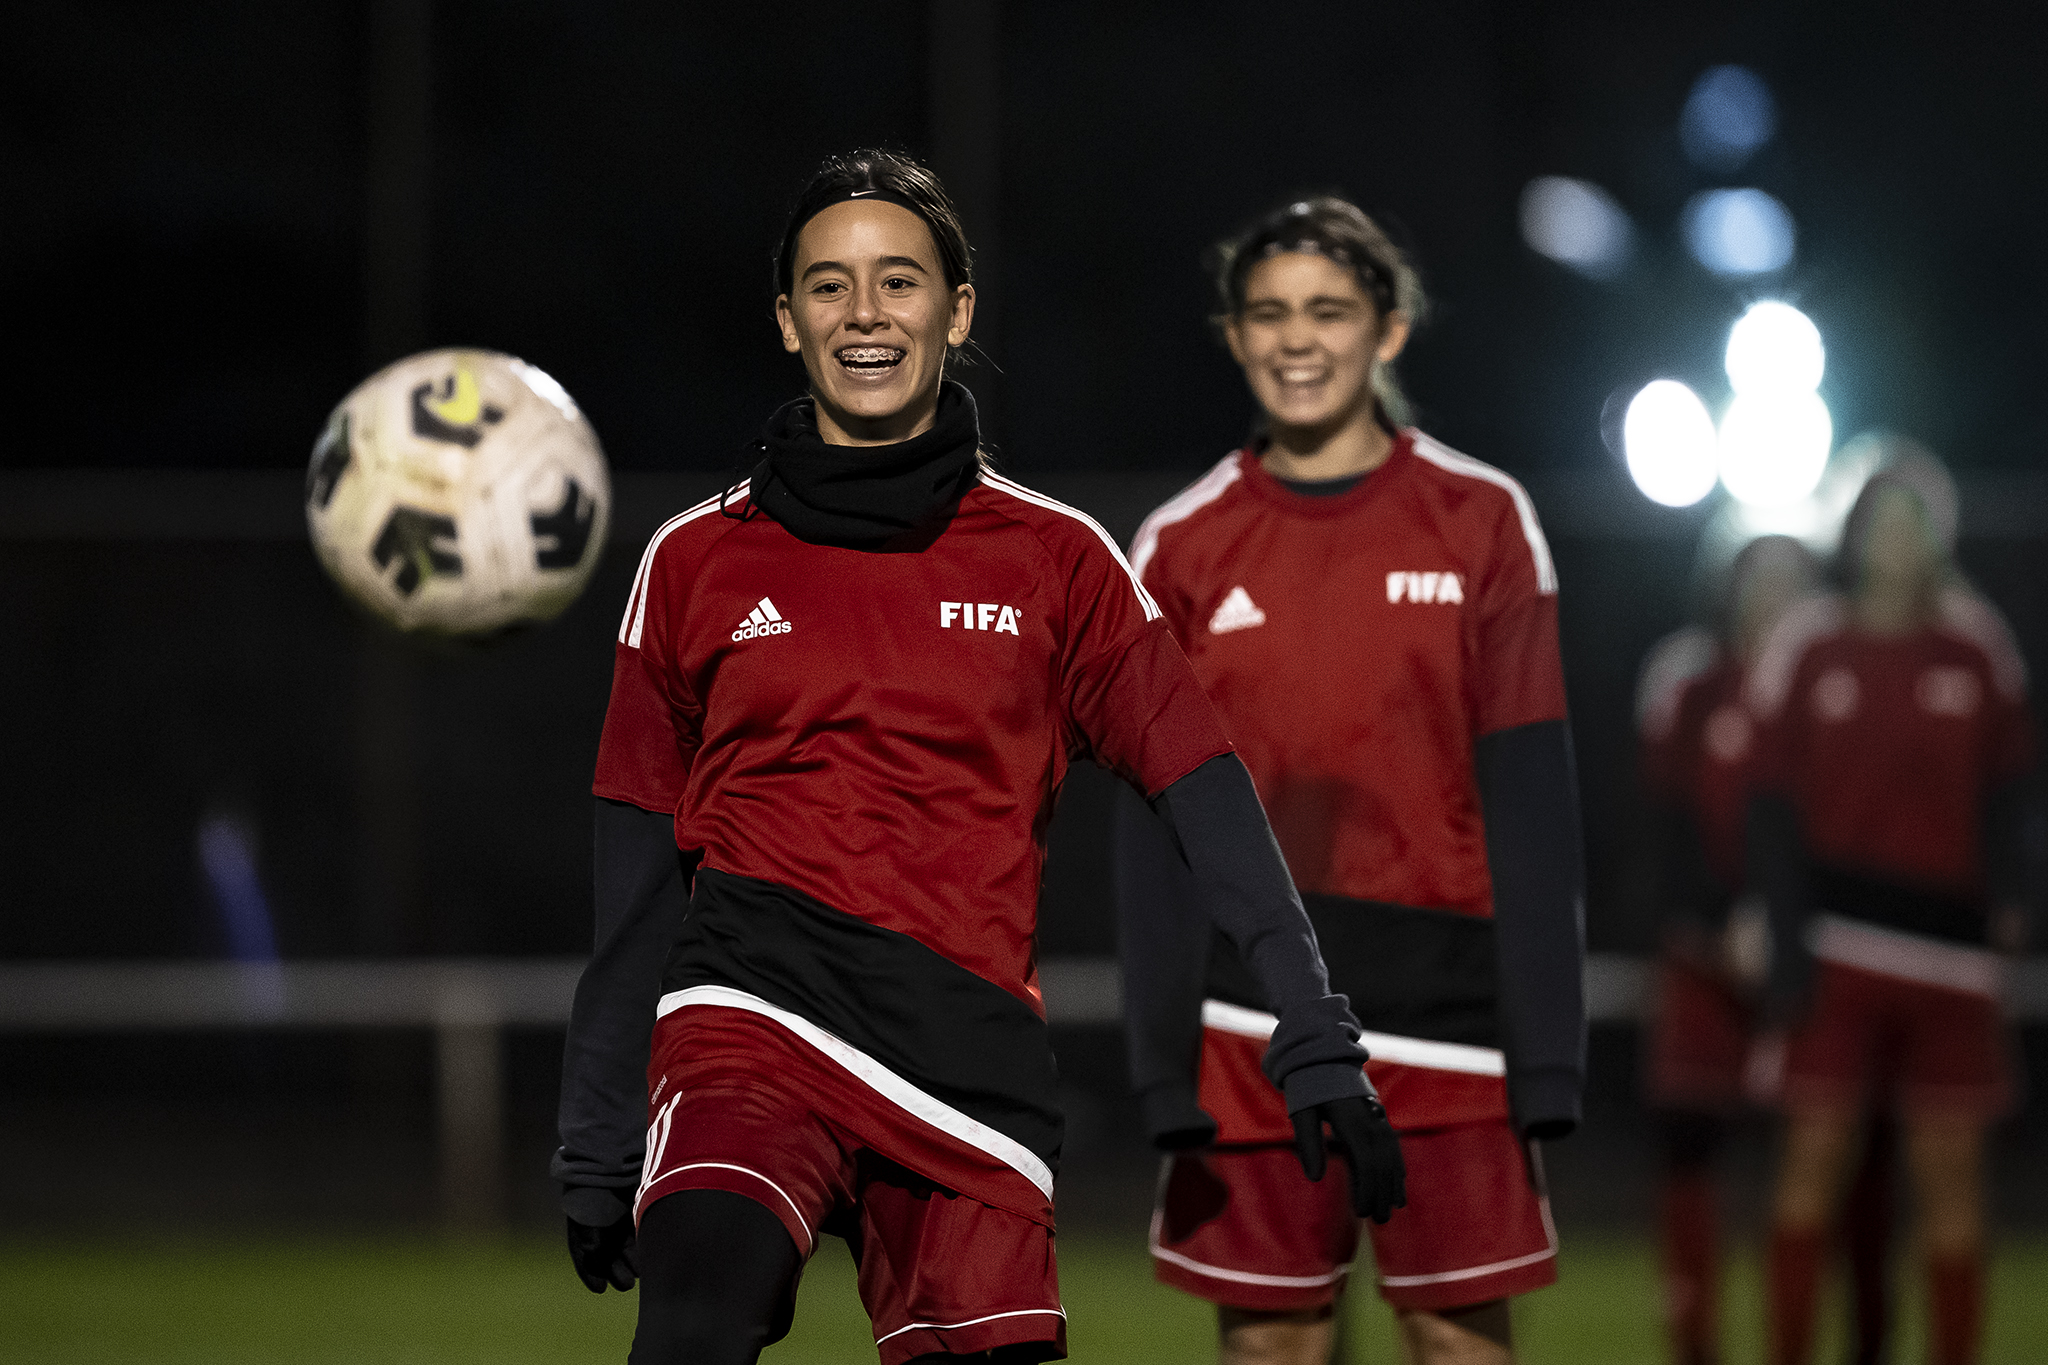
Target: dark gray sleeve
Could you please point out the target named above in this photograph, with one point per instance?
(2015, 851)
(1220, 831)
(642, 886)
(1528, 785)
(1163, 942)
(1776, 856)
(1685, 890)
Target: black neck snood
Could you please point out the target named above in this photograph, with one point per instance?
(865, 496)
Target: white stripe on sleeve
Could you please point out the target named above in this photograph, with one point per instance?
(1180, 507)
(1443, 457)
(636, 601)
(1020, 492)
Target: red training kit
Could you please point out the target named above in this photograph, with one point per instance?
(866, 748)
(1357, 645)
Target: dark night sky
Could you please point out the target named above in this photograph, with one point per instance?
(184, 235)
(186, 241)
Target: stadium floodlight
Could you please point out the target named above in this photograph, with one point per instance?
(1668, 440)
(1728, 116)
(1774, 445)
(1577, 224)
(1775, 348)
(1738, 232)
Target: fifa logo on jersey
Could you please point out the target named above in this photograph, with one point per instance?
(1424, 587)
(979, 616)
(762, 620)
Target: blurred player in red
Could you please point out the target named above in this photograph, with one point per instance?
(1888, 836)
(1697, 745)
(1375, 615)
(844, 697)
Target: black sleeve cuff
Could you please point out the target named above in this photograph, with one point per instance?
(596, 1206)
(1174, 1118)
(1320, 1082)
(1545, 1101)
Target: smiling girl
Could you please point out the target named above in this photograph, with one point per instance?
(1375, 616)
(845, 695)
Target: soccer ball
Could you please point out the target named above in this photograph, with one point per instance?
(459, 493)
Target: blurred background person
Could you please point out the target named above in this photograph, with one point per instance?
(1375, 616)
(1696, 745)
(1888, 831)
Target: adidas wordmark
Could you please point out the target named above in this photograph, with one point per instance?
(762, 620)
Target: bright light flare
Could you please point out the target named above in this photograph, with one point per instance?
(1774, 446)
(1728, 116)
(1739, 232)
(1668, 439)
(1577, 224)
(1775, 348)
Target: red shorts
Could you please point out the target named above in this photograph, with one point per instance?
(1937, 1050)
(1699, 1043)
(1476, 1228)
(736, 1107)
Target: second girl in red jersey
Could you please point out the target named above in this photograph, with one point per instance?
(1375, 616)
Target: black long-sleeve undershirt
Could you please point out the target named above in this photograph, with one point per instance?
(1163, 941)
(2016, 852)
(1216, 836)
(1529, 791)
(642, 891)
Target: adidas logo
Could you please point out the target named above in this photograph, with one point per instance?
(1425, 587)
(762, 620)
(1238, 612)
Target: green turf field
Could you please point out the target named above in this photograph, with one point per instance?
(424, 1303)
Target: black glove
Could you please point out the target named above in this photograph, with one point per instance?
(1358, 1124)
(604, 1255)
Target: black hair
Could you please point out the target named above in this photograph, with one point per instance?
(906, 181)
(1341, 231)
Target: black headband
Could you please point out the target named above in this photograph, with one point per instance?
(1291, 237)
(841, 196)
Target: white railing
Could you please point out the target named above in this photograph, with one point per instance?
(466, 1002)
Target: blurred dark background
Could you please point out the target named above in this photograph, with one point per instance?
(220, 217)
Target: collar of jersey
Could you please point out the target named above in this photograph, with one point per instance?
(864, 497)
(1259, 481)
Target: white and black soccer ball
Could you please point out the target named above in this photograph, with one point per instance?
(459, 493)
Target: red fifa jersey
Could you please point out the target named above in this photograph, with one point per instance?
(1697, 742)
(1889, 746)
(1356, 645)
(885, 732)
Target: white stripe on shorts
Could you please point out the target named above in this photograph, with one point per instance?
(1059, 1313)
(1384, 1047)
(876, 1077)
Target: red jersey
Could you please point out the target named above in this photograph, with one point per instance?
(1697, 739)
(885, 733)
(866, 745)
(1889, 746)
(1356, 645)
